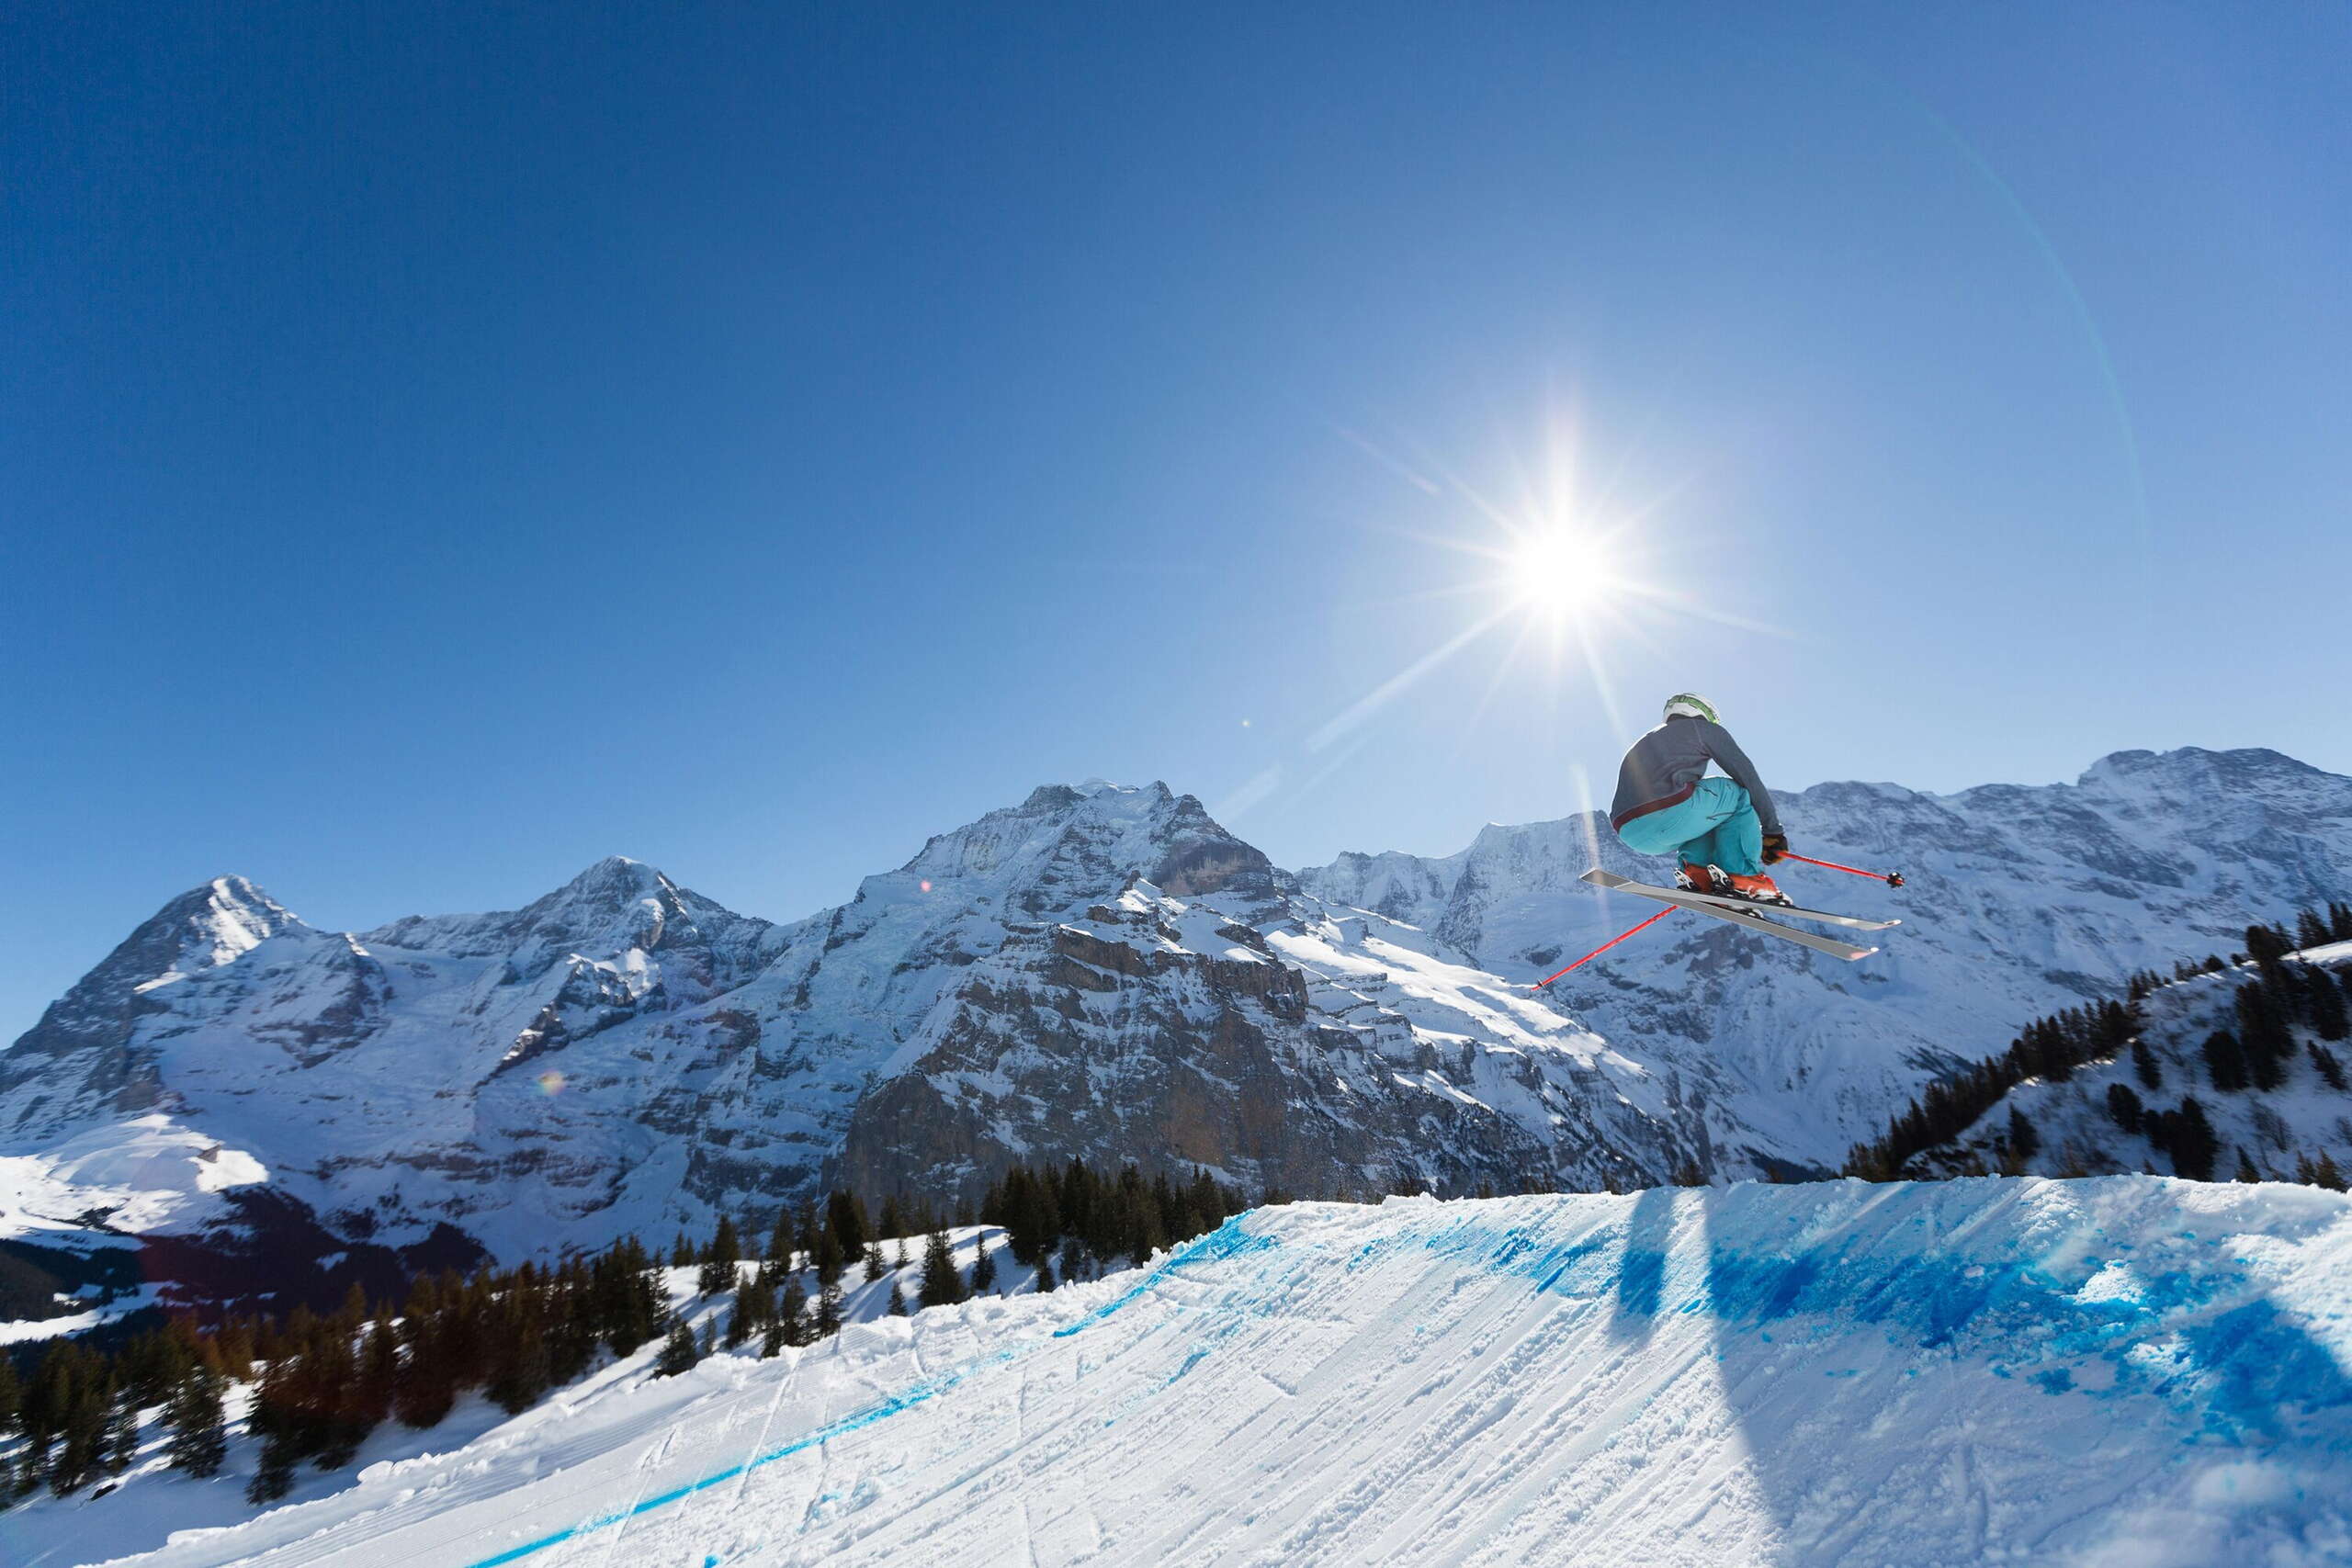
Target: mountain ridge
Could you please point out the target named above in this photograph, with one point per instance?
(1106, 970)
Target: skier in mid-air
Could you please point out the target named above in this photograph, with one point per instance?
(1722, 831)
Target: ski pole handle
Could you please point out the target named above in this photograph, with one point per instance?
(1892, 878)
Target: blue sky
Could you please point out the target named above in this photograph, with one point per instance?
(440, 446)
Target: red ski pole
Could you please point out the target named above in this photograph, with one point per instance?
(1892, 878)
(1605, 947)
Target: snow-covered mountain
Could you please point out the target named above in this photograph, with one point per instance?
(2017, 902)
(1108, 973)
(2274, 1130)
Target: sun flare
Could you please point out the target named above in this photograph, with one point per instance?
(1556, 571)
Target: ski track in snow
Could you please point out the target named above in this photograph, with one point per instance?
(2099, 1372)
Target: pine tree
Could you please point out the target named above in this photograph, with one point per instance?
(942, 1284)
(524, 1376)
(780, 1244)
(679, 1353)
(2144, 1067)
(82, 1434)
(830, 1259)
(2245, 1166)
(2022, 1143)
(718, 1273)
(983, 1268)
(874, 1268)
(845, 1218)
(12, 1395)
(2262, 1027)
(274, 1471)
(199, 1441)
(2266, 945)
(2324, 1173)
(1045, 1274)
(829, 1309)
(897, 1301)
(2225, 1062)
(121, 1446)
(2123, 1107)
(2329, 1067)
(772, 1339)
(2324, 1005)
(2193, 1144)
(791, 1313)
(2310, 929)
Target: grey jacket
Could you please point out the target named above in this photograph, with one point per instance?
(1663, 767)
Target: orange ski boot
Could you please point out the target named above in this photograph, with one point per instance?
(1698, 878)
(1756, 889)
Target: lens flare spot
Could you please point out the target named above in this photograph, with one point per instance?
(550, 1082)
(924, 884)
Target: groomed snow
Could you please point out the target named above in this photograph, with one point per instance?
(2122, 1370)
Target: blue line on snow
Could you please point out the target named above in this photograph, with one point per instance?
(1218, 1243)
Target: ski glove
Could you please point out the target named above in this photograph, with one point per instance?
(1775, 846)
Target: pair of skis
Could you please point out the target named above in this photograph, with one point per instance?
(1733, 911)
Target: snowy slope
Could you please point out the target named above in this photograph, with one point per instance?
(2304, 1117)
(2121, 1370)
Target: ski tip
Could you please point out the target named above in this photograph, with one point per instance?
(1860, 956)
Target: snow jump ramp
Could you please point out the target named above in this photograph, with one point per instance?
(2121, 1370)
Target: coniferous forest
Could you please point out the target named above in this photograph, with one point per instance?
(2255, 1050)
(313, 1386)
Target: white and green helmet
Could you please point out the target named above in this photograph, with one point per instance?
(1690, 705)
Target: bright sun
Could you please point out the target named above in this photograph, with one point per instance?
(1555, 571)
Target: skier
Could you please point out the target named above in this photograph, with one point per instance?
(1723, 831)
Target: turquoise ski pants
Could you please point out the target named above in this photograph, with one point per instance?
(1716, 826)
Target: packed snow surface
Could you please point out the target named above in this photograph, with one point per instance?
(2126, 1369)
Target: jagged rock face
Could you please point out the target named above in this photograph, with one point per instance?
(1107, 972)
(1176, 1034)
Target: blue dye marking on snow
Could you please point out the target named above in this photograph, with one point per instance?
(2236, 1368)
